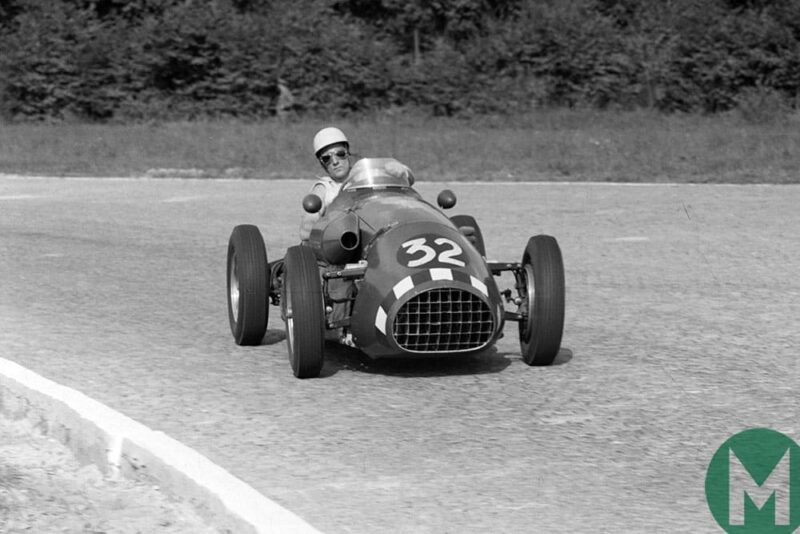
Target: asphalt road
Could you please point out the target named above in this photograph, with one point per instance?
(682, 328)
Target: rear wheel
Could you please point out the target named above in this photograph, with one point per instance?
(468, 221)
(542, 278)
(303, 311)
(248, 278)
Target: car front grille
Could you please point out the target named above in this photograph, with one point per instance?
(443, 320)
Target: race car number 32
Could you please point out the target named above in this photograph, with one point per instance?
(429, 249)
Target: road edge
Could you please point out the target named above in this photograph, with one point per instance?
(121, 446)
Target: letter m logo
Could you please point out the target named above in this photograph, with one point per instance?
(743, 489)
(753, 483)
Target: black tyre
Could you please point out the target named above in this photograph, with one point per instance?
(543, 294)
(469, 220)
(303, 311)
(248, 285)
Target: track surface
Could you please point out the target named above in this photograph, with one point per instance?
(682, 328)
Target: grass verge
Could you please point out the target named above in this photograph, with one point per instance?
(557, 145)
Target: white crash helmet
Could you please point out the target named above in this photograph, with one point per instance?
(327, 137)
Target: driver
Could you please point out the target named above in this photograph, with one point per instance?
(332, 150)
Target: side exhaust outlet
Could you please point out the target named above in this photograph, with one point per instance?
(340, 241)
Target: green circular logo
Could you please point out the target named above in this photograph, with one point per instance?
(753, 483)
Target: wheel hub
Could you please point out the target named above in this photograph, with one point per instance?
(528, 294)
(234, 290)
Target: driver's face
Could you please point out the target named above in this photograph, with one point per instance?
(337, 162)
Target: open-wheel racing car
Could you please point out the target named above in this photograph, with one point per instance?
(421, 285)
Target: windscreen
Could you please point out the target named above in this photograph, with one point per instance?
(370, 173)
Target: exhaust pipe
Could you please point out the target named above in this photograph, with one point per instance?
(339, 241)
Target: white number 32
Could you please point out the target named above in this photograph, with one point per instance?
(447, 249)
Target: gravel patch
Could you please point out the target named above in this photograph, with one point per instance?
(44, 489)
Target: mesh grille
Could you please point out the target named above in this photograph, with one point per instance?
(443, 320)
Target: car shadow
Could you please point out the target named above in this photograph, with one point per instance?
(271, 337)
(564, 356)
(339, 357)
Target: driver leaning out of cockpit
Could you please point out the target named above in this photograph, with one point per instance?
(332, 150)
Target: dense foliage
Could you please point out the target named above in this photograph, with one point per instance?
(142, 59)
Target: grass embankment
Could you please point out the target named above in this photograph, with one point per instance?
(549, 145)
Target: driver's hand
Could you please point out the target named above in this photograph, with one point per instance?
(469, 233)
(395, 168)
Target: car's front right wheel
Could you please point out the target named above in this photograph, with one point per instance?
(303, 312)
(248, 276)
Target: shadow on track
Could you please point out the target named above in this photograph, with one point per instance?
(563, 356)
(273, 337)
(338, 358)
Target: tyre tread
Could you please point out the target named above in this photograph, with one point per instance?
(247, 244)
(303, 280)
(544, 255)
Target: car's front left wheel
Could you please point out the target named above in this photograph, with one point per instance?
(542, 278)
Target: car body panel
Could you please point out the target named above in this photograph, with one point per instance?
(390, 282)
(426, 291)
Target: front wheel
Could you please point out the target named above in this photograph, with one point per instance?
(248, 276)
(303, 311)
(542, 278)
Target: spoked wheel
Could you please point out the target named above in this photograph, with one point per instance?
(303, 311)
(477, 237)
(248, 279)
(542, 292)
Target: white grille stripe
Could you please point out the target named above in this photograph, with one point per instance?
(480, 286)
(380, 320)
(441, 274)
(402, 287)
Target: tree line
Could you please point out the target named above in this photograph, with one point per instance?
(104, 60)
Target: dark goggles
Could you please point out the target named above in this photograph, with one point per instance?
(327, 158)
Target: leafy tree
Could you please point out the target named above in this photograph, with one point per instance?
(122, 59)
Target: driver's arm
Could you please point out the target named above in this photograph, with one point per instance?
(395, 168)
(309, 219)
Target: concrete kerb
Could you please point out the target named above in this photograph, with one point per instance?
(118, 445)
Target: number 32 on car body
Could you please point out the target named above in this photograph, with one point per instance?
(429, 248)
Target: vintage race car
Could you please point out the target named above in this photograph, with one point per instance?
(419, 281)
